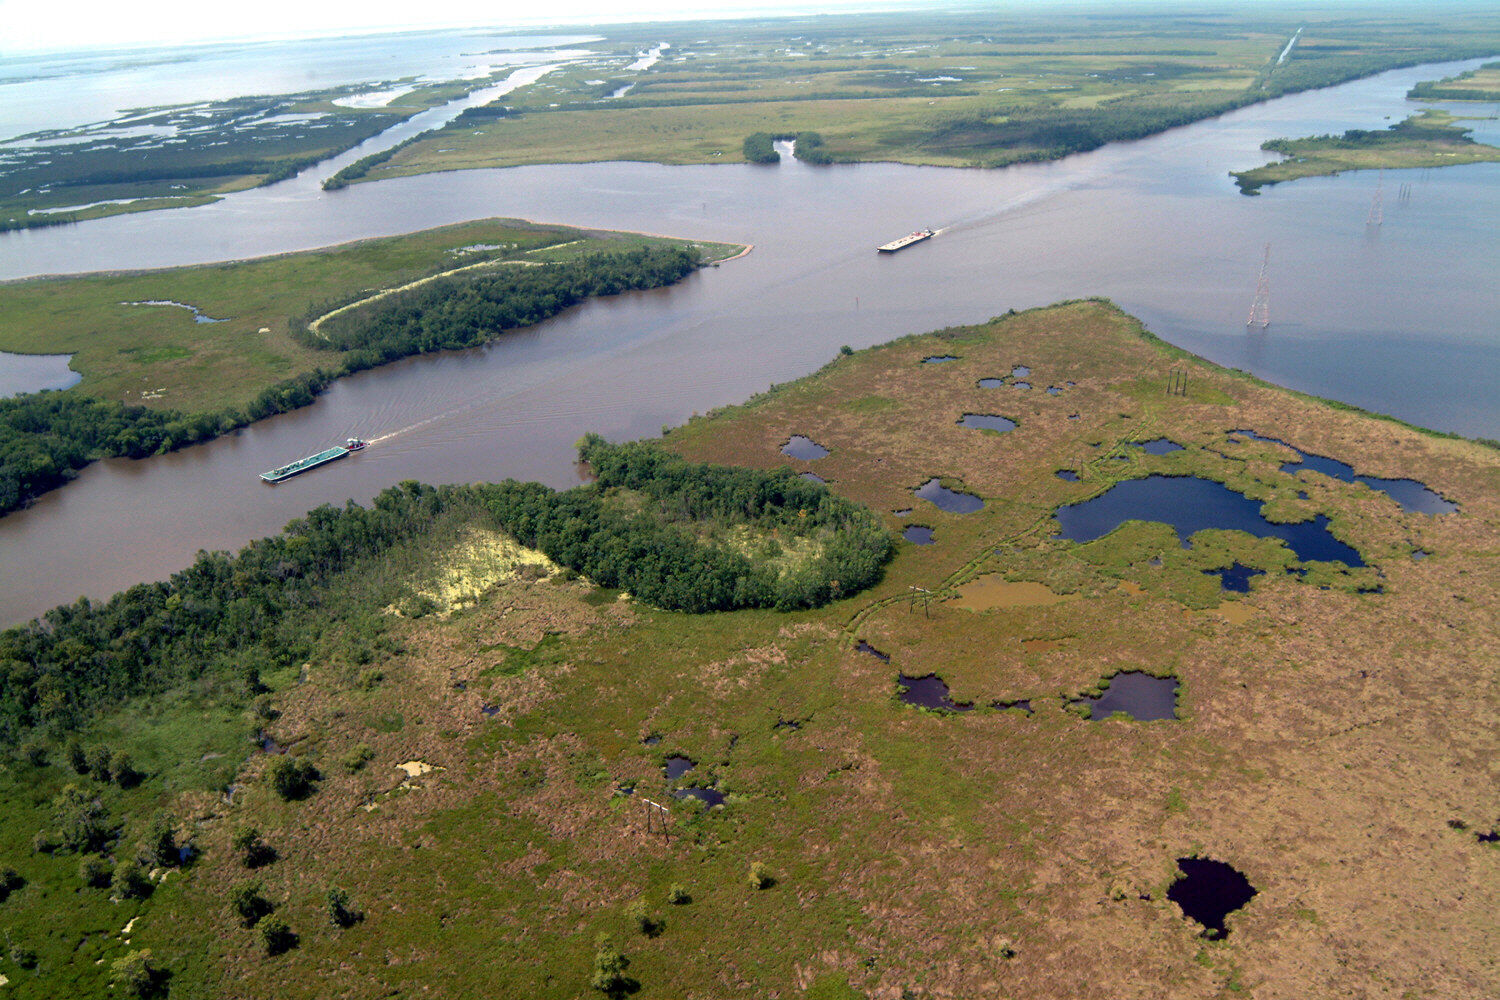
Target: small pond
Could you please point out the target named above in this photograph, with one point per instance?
(1157, 446)
(804, 448)
(35, 372)
(1235, 578)
(1409, 493)
(1021, 385)
(1024, 704)
(1190, 504)
(992, 383)
(651, 740)
(1020, 371)
(198, 316)
(928, 692)
(865, 647)
(489, 711)
(813, 477)
(1137, 694)
(1208, 892)
(678, 765)
(918, 534)
(986, 422)
(938, 359)
(1067, 475)
(1054, 390)
(710, 797)
(954, 502)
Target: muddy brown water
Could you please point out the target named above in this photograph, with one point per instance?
(1182, 252)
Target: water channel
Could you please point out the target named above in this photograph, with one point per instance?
(1399, 318)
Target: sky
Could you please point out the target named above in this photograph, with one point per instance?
(60, 25)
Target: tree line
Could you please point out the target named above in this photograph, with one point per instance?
(225, 618)
(661, 554)
(47, 437)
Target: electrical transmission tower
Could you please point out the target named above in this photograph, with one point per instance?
(1377, 207)
(1260, 309)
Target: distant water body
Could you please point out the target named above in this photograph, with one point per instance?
(1401, 318)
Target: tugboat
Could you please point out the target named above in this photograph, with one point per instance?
(908, 240)
(313, 461)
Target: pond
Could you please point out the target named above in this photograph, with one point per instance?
(1209, 891)
(678, 765)
(938, 359)
(1137, 694)
(1409, 493)
(954, 502)
(813, 477)
(865, 647)
(1191, 504)
(928, 692)
(35, 372)
(987, 422)
(804, 448)
(1235, 578)
(918, 534)
(1067, 475)
(710, 797)
(992, 383)
(1157, 446)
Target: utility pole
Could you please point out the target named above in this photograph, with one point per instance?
(1260, 309)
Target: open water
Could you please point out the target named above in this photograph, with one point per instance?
(1400, 318)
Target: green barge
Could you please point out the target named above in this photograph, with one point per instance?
(312, 461)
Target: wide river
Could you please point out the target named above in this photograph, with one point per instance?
(1399, 317)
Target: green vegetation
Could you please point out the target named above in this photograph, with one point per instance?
(758, 148)
(694, 537)
(980, 89)
(203, 380)
(1482, 84)
(934, 854)
(1426, 139)
(187, 155)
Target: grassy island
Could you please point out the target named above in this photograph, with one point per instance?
(396, 749)
(947, 89)
(177, 356)
(1482, 84)
(1426, 139)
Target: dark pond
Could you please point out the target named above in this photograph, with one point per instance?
(1021, 385)
(1236, 577)
(710, 797)
(1137, 694)
(1020, 371)
(804, 448)
(1493, 837)
(903, 512)
(1157, 446)
(1191, 504)
(1208, 892)
(651, 740)
(991, 383)
(1409, 493)
(1419, 554)
(1024, 704)
(865, 647)
(928, 692)
(268, 744)
(918, 534)
(787, 724)
(938, 359)
(186, 853)
(1054, 390)
(813, 477)
(986, 422)
(1067, 475)
(677, 766)
(954, 502)
(625, 788)
(489, 711)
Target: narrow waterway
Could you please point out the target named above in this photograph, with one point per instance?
(1399, 318)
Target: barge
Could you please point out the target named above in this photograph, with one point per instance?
(312, 461)
(907, 240)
